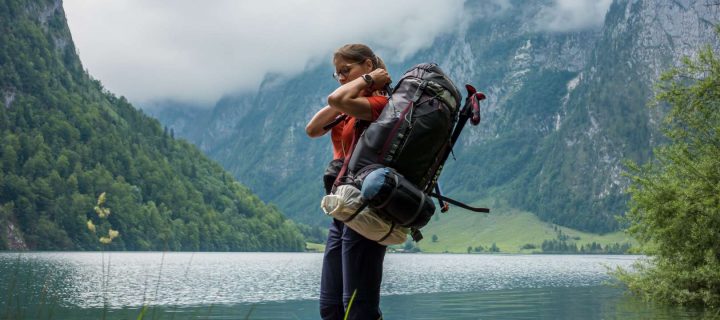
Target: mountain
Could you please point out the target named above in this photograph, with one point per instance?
(605, 119)
(564, 109)
(67, 143)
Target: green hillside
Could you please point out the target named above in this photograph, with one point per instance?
(65, 140)
(510, 229)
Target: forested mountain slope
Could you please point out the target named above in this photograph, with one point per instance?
(66, 140)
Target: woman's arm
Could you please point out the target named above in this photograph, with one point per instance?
(349, 98)
(326, 115)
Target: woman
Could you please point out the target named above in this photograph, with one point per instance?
(352, 263)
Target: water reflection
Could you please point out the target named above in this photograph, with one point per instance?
(598, 302)
(136, 279)
(284, 286)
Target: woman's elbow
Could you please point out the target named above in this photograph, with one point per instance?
(334, 100)
(313, 132)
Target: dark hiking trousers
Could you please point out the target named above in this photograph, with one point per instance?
(351, 262)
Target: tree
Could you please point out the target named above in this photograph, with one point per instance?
(434, 238)
(675, 199)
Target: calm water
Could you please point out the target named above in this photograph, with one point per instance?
(74, 285)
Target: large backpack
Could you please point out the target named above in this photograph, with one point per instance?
(402, 152)
(413, 127)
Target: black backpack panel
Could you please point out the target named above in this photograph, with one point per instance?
(412, 130)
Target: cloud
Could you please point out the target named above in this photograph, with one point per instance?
(196, 52)
(572, 15)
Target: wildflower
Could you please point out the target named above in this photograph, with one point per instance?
(113, 234)
(105, 240)
(102, 212)
(101, 199)
(91, 226)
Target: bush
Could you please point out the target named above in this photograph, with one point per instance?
(675, 199)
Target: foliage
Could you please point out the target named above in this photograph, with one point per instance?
(64, 139)
(562, 246)
(675, 200)
(410, 246)
(315, 234)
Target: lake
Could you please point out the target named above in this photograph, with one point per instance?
(116, 285)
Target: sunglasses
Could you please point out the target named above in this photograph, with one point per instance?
(344, 71)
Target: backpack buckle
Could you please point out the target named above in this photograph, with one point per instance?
(416, 234)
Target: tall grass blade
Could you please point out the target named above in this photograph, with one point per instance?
(142, 312)
(347, 312)
(247, 316)
(157, 287)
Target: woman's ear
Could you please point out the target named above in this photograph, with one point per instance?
(368, 64)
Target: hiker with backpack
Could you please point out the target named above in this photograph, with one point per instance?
(352, 264)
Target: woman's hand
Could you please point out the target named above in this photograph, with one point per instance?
(380, 79)
(351, 97)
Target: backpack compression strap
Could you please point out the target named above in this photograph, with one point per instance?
(459, 204)
(357, 212)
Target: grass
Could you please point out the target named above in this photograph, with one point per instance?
(314, 247)
(508, 228)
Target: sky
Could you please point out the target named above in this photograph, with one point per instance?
(195, 52)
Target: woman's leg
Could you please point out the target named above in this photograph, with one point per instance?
(331, 283)
(362, 264)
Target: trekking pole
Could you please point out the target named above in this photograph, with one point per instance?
(444, 207)
(335, 122)
(470, 111)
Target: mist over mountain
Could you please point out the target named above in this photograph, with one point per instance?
(566, 105)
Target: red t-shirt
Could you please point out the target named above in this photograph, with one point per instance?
(342, 134)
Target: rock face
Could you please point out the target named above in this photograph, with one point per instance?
(564, 109)
(605, 119)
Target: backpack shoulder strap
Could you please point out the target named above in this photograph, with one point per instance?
(360, 126)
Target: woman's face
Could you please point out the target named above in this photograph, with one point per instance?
(347, 71)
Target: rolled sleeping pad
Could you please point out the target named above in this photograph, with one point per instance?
(397, 198)
(344, 205)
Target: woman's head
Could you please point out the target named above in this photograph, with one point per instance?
(354, 60)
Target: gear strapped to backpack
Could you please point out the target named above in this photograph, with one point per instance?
(397, 160)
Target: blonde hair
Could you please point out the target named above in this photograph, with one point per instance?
(358, 53)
